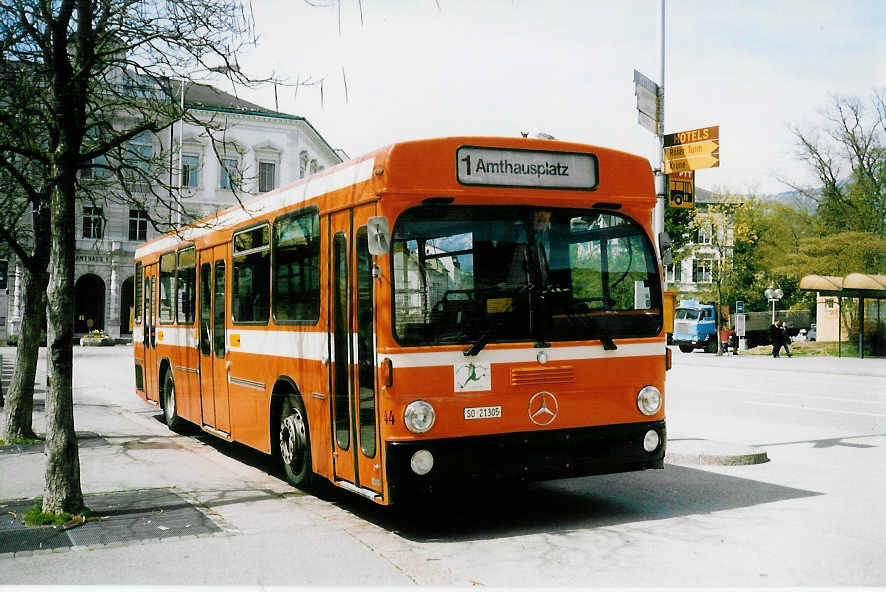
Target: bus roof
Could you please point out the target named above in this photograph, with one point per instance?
(429, 167)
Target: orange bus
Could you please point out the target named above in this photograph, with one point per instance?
(435, 313)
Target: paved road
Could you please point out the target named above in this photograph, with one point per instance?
(814, 515)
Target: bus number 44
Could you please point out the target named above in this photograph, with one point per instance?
(389, 417)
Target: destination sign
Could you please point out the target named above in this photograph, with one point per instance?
(508, 167)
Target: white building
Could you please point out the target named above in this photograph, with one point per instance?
(266, 149)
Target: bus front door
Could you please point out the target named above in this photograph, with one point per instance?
(149, 338)
(212, 342)
(352, 344)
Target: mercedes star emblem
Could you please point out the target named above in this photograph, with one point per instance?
(543, 408)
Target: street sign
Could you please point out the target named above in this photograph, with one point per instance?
(649, 107)
(647, 102)
(692, 149)
(681, 189)
(739, 306)
(692, 164)
(647, 122)
(691, 136)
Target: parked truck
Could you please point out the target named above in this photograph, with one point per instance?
(695, 326)
(757, 324)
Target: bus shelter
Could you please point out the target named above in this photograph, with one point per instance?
(858, 286)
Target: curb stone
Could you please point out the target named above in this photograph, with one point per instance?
(709, 452)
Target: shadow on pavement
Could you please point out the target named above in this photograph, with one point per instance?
(570, 504)
(501, 510)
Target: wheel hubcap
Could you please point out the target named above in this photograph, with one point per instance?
(170, 399)
(292, 439)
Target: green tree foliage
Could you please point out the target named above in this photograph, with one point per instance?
(837, 254)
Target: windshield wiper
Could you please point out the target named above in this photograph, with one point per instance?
(478, 345)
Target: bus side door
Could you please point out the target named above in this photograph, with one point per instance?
(149, 337)
(212, 340)
(352, 360)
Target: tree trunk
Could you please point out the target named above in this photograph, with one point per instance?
(61, 488)
(20, 398)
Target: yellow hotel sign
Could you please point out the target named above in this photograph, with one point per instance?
(692, 149)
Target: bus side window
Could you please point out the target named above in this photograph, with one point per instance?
(218, 316)
(205, 308)
(250, 276)
(137, 297)
(296, 281)
(167, 278)
(185, 286)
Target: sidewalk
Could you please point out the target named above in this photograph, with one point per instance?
(810, 364)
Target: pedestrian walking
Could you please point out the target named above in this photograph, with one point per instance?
(785, 338)
(775, 338)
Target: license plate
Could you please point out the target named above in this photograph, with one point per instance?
(483, 412)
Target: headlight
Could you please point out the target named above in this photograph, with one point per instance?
(651, 441)
(649, 400)
(419, 417)
(422, 462)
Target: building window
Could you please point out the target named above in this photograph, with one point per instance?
(670, 272)
(190, 168)
(704, 235)
(315, 167)
(267, 176)
(829, 303)
(138, 225)
(98, 170)
(93, 222)
(141, 150)
(228, 174)
(302, 164)
(701, 271)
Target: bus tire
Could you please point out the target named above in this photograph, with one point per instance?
(686, 349)
(295, 441)
(170, 409)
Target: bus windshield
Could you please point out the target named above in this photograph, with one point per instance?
(484, 274)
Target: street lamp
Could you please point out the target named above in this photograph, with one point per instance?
(773, 295)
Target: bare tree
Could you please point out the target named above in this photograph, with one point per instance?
(847, 154)
(24, 228)
(107, 71)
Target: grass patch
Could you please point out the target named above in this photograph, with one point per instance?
(813, 349)
(21, 442)
(37, 517)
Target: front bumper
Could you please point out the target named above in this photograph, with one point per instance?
(525, 456)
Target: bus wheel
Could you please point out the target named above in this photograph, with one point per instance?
(170, 411)
(686, 349)
(295, 442)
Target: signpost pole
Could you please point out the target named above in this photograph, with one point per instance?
(661, 184)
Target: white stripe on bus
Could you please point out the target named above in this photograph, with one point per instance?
(313, 345)
(270, 202)
(525, 355)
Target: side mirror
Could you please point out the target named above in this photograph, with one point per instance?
(378, 235)
(664, 248)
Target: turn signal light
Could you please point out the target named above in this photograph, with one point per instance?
(387, 372)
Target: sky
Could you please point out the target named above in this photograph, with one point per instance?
(429, 68)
